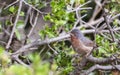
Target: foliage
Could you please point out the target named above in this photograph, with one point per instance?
(113, 6)
(61, 21)
(106, 48)
(63, 60)
(37, 67)
(60, 18)
(4, 59)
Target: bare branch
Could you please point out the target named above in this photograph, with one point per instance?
(38, 43)
(15, 23)
(34, 7)
(92, 23)
(11, 4)
(100, 67)
(27, 15)
(79, 7)
(21, 62)
(109, 27)
(96, 10)
(100, 60)
(35, 21)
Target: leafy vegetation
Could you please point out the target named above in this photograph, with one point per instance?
(50, 56)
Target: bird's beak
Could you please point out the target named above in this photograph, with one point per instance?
(71, 34)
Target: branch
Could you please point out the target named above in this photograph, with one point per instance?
(15, 23)
(100, 60)
(11, 4)
(100, 67)
(27, 15)
(109, 27)
(96, 10)
(34, 7)
(79, 7)
(33, 26)
(92, 23)
(38, 43)
(97, 21)
(19, 61)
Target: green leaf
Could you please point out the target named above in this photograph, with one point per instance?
(20, 24)
(18, 34)
(22, 13)
(12, 9)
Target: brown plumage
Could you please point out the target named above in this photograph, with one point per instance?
(81, 44)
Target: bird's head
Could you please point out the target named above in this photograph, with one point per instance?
(76, 33)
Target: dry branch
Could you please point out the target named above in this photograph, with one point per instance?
(100, 67)
(15, 23)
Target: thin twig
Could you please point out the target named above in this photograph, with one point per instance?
(85, 8)
(21, 62)
(2, 42)
(85, 3)
(99, 67)
(96, 11)
(33, 26)
(78, 21)
(27, 15)
(15, 23)
(31, 18)
(109, 27)
(92, 23)
(34, 8)
(79, 7)
(106, 37)
(55, 52)
(117, 15)
(42, 49)
(11, 4)
(4, 30)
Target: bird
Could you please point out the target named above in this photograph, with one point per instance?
(80, 43)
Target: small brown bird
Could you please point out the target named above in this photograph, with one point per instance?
(81, 44)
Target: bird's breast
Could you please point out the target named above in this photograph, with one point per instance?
(77, 45)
